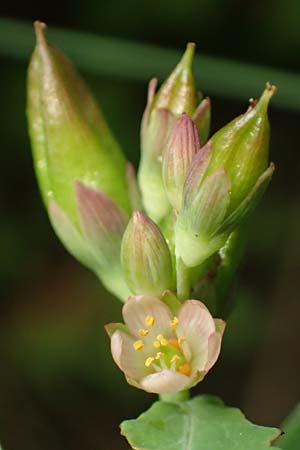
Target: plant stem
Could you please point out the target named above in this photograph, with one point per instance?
(175, 398)
(183, 280)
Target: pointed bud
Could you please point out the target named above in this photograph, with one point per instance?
(224, 184)
(70, 139)
(242, 147)
(176, 96)
(177, 93)
(145, 257)
(180, 152)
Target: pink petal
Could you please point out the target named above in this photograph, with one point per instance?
(130, 361)
(139, 307)
(214, 344)
(165, 382)
(196, 325)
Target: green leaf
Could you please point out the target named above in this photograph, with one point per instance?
(291, 428)
(203, 423)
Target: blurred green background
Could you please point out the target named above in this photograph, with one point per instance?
(59, 388)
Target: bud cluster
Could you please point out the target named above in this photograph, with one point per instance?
(157, 235)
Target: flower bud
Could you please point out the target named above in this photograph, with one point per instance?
(145, 257)
(176, 96)
(224, 183)
(69, 137)
(242, 147)
(180, 152)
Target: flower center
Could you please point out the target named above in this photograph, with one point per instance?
(167, 352)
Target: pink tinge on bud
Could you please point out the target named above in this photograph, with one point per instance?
(196, 172)
(145, 257)
(102, 221)
(182, 147)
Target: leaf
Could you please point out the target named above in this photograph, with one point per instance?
(203, 423)
(291, 428)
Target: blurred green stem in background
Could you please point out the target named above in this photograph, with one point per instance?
(114, 57)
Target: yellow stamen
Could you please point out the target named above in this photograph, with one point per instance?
(149, 321)
(156, 344)
(149, 361)
(138, 345)
(162, 340)
(181, 340)
(185, 369)
(174, 323)
(159, 355)
(175, 358)
(143, 332)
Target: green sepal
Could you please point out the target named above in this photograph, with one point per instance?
(110, 328)
(247, 206)
(170, 299)
(195, 231)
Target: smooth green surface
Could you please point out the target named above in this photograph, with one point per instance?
(114, 57)
(203, 423)
(291, 428)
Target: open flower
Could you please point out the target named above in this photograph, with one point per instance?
(161, 352)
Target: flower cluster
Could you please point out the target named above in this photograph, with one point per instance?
(162, 231)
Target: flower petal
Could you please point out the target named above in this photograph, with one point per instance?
(196, 325)
(214, 344)
(129, 360)
(165, 382)
(139, 307)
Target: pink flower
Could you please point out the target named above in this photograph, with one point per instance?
(161, 352)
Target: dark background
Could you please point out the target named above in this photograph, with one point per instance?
(59, 388)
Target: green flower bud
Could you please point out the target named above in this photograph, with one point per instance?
(224, 184)
(70, 139)
(145, 257)
(176, 96)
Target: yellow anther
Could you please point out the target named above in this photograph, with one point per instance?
(138, 345)
(149, 361)
(175, 358)
(162, 340)
(181, 340)
(185, 369)
(156, 344)
(174, 323)
(149, 321)
(143, 332)
(159, 355)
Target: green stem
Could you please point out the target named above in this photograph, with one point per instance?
(183, 280)
(175, 398)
